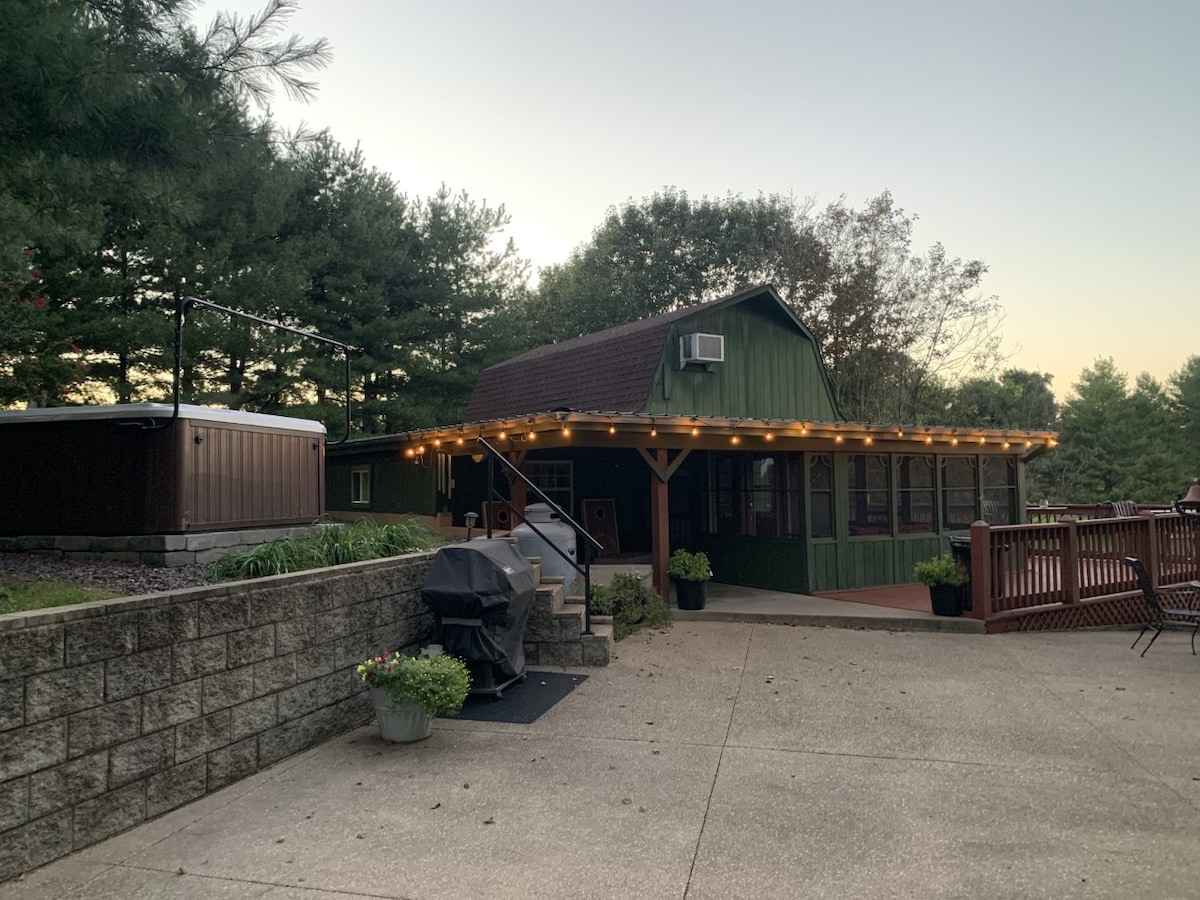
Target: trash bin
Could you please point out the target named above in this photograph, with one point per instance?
(481, 593)
(960, 549)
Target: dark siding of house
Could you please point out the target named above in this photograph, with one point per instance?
(397, 485)
(771, 563)
(771, 369)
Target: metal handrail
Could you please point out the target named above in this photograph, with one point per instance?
(587, 542)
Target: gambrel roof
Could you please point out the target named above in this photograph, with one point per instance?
(629, 368)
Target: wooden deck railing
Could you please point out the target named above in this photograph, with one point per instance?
(1017, 569)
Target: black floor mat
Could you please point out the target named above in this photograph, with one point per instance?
(523, 701)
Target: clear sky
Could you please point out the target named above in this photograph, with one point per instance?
(1057, 141)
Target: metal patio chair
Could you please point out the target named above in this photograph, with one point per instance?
(1160, 613)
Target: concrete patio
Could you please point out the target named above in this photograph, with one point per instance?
(727, 760)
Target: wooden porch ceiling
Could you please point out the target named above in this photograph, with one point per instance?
(575, 429)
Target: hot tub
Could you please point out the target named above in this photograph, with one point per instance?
(135, 469)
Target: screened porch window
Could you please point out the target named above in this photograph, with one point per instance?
(820, 495)
(999, 477)
(917, 504)
(869, 494)
(755, 495)
(958, 492)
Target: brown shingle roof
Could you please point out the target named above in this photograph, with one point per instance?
(608, 371)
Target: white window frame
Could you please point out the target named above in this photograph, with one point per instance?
(360, 486)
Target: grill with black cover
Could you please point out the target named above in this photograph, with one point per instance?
(481, 592)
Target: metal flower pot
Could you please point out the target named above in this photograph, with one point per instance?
(400, 723)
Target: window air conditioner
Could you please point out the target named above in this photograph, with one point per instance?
(701, 348)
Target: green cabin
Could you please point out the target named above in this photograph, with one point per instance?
(712, 427)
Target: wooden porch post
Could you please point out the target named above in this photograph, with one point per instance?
(981, 570)
(660, 537)
(1069, 565)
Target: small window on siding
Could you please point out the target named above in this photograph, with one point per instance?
(360, 486)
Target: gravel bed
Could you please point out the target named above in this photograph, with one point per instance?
(129, 579)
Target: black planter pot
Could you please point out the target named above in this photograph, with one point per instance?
(946, 599)
(690, 594)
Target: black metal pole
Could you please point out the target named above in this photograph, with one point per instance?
(491, 490)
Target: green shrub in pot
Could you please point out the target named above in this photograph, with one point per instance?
(687, 566)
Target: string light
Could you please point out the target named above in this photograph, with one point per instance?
(612, 429)
(954, 442)
(929, 438)
(653, 429)
(503, 435)
(868, 440)
(769, 436)
(839, 439)
(734, 439)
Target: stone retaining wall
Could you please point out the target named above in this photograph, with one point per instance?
(197, 548)
(112, 713)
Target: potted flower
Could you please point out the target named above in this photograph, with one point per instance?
(409, 692)
(945, 579)
(690, 572)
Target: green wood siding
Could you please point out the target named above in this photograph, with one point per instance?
(868, 562)
(771, 563)
(771, 369)
(824, 571)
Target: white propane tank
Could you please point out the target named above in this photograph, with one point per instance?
(555, 532)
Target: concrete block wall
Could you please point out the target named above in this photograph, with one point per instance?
(192, 549)
(112, 713)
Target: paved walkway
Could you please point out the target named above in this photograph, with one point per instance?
(729, 760)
